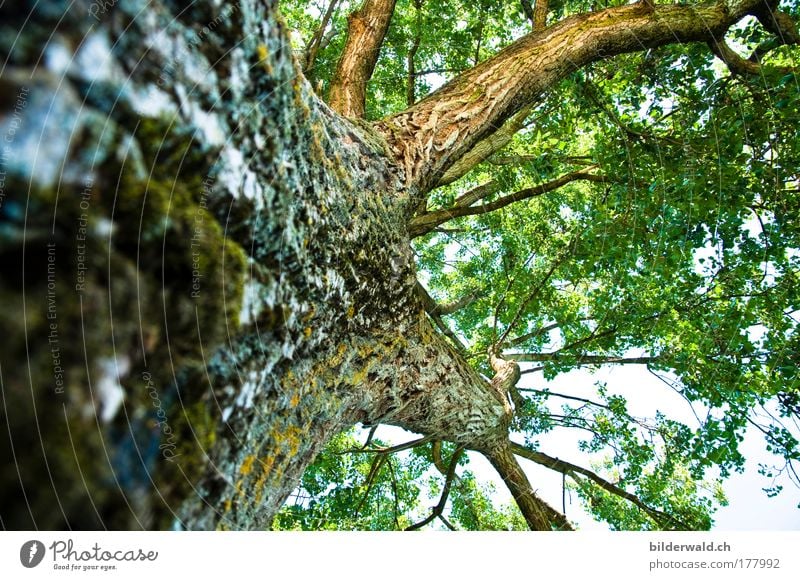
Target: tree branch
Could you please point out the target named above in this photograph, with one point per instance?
(630, 133)
(366, 29)
(412, 53)
(433, 135)
(527, 8)
(390, 450)
(477, 193)
(436, 453)
(583, 359)
(506, 377)
(438, 510)
(435, 309)
(424, 223)
(377, 465)
(735, 63)
(538, 332)
(666, 521)
(537, 513)
(520, 159)
(540, 11)
(316, 41)
(778, 23)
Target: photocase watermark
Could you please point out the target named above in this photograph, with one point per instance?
(14, 124)
(97, 9)
(82, 235)
(52, 320)
(197, 237)
(66, 556)
(31, 553)
(168, 442)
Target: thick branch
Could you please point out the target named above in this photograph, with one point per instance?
(366, 29)
(538, 514)
(664, 520)
(433, 135)
(507, 375)
(424, 223)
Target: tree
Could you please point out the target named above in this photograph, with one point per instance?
(209, 272)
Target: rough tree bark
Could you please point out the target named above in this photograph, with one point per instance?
(214, 267)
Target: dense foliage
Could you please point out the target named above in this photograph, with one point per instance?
(684, 261)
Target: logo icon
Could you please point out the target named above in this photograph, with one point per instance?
(31, 553)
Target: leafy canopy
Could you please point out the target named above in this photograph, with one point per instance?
(686, 258)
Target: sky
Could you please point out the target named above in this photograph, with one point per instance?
(749, 506)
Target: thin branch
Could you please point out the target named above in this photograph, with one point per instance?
(412, 53)
(438, 71)
(435, 312)
(582, 359)
(562, 396)
(535, 292)
(630, 133)
(315, 43)
(370, 436)
(424, 223)
(396, 503)
(585, 160)
(527, 8)
(448, 482)
(377, 464)
(481, 23)
(447, 523)
(435, 309)
(663, 519)
(538, 332)
(390, 450)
